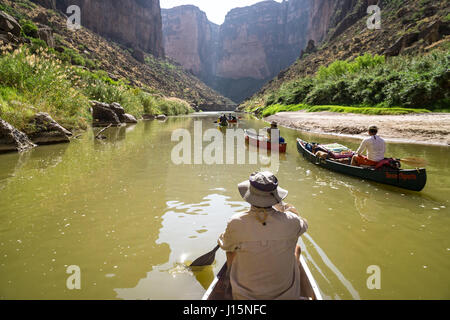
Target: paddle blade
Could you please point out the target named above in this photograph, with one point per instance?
(206, 259)
(414, 162)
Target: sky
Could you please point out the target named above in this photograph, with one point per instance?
(216, 10)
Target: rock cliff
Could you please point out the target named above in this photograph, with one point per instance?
(190, 39)
(249, 48)
(133, 23)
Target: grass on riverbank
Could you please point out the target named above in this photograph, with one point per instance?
(277, 108)
(372, 81)
(40, 82)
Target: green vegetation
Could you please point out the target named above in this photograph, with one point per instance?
(39, 81)
(29, 29)
(372, 81)
(276, 108)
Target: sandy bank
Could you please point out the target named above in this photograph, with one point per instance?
(432, 128)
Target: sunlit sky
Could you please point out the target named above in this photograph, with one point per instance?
(216, 10)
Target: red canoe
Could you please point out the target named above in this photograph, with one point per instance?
(261, 141)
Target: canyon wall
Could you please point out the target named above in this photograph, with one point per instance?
(133, 23)
(190, 39)
(249, 48)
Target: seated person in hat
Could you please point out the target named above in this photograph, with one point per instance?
(223, 121)
(375, 147)
(271, 131)
(261, 245)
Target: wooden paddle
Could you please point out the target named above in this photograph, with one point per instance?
(414, 162)
(206, 259)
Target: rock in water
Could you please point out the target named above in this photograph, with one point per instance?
(161, 117)
(128, 118)
(48, 131)
(12, 139)
(103, 115)
(118, 110)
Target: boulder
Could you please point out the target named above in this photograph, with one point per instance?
(46, 34)
(128, 118)
(148, 117)
(9, 24)
(404, 42)
(310, 48)
(41, 18)
(139, 55)
(161, 117)
(12, 139)
(118, 110)
(431, 33)
(103, 115)
(47, 131)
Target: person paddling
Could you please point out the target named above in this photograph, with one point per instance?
(375, 147)
(223, 121)
(261, 244)
(273, 130)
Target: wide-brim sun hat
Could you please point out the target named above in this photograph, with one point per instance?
(262, 190)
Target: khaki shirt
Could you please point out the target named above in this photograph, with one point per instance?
(264, 267)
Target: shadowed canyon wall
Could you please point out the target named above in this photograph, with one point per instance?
(133, 23)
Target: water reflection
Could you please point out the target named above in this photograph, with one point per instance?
(180, 222)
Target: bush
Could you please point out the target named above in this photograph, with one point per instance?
(33, 81)
(372, 81)
(29, 29)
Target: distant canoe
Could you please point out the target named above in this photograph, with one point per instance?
(262, 142)
(220, 288)
(414, 179)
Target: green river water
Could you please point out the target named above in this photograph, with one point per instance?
(130, 218)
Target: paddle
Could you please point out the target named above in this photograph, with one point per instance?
(206, 259)
(414, 162)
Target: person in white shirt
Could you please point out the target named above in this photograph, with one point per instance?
(261, 244)
(375, 147)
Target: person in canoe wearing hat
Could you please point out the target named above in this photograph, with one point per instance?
(375, 147)
(223, 121)
(271, 131)
(261, 244)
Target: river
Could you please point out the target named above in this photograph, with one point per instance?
(130, 218)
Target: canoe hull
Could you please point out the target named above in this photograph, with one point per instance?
(258, 142)
(220, 288)
(414, 179)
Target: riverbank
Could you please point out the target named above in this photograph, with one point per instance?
(430, 128)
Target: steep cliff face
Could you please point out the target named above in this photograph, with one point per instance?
(134, 23)
(250, 47)
(190, 39)
(332, 17)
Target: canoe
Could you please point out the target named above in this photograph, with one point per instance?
(220, 288)
(261, 141)
(411, 179)
(232, 121)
